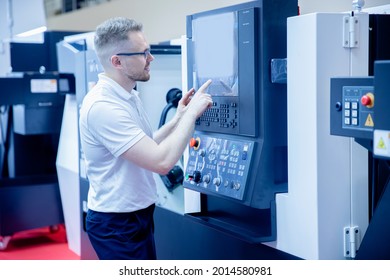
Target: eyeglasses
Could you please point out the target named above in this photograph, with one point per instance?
(145, 53)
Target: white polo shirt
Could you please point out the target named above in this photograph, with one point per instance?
(111, 121)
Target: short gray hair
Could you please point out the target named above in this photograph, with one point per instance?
(112, 33)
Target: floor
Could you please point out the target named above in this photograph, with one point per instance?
(39, 244)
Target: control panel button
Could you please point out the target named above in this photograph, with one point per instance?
(217, 181)
(236, 185)
(195, 143)
(206, 178)
(367, 100)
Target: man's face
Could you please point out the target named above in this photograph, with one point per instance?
(137, 67)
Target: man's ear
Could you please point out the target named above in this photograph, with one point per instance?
(115, 61)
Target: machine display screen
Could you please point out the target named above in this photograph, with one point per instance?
(215, 41)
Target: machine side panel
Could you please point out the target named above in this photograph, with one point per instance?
(311, 216)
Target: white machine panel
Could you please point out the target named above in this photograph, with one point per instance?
(328, 180)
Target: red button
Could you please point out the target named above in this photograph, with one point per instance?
(194, 143)
(367, 100)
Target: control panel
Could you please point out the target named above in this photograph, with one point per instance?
(352, 107)
(358, 107)
(237, 158)
(218, 165)
(222, 115)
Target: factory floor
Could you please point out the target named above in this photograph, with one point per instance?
(39, 244)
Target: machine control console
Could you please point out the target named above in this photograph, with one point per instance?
(358, 104)
(353, 103)
(218, 165)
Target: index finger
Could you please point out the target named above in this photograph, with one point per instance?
(187, 96)
(205, 85)
(189, 93)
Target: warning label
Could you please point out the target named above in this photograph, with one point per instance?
(369, 121)
(382, 143)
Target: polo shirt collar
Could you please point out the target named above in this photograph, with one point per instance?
(119, 90)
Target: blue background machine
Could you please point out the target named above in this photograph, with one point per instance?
(32, 105)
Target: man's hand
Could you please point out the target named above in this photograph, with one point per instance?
(197, 102)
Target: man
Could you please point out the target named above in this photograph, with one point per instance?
(121, 151)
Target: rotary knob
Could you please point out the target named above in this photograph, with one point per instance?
(197, 176)
(206, 178)
(217, 181)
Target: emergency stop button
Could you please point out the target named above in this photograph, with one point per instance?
(195, 143)
(367, 100)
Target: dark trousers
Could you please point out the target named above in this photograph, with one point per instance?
(122, 236)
